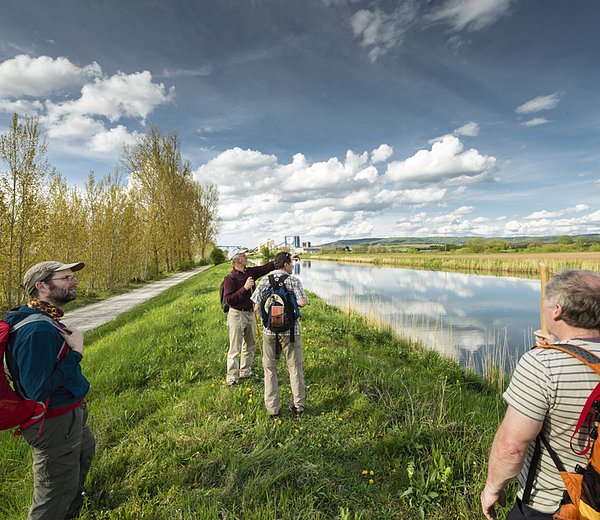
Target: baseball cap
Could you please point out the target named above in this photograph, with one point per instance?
(236, 251)
(42, 270)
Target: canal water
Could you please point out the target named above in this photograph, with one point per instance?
(480, 321)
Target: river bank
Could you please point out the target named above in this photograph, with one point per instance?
(520, 264)
(391, 431)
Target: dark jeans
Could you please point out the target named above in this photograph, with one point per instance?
(62, 455)
(520, 511)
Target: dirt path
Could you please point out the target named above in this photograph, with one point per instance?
(96, 314)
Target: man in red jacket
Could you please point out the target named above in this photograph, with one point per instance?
(237, 289)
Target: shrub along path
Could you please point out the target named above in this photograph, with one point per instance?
(96, 314)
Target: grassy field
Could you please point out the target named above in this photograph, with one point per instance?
(390, 431)
(526, 264)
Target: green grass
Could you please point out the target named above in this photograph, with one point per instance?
(174, 442)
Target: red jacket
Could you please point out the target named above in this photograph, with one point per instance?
(234, 292)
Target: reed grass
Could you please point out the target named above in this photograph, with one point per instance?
(390, 431)
(523, 264)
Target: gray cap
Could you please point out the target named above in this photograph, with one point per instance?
(42, 270)
(235, 252)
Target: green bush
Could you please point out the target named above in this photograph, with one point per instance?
(217, 256)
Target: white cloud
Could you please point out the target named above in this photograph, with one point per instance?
(322, 199)
(446, 160)
(536, 121)
(458, 223)
(470, 14)
(21, 106)
(121, 95)
(415, 196)
(37, 77)
(539, 103)
(559, 213)
(79, 124)
(470, 129)
(380, 31)
(75, 128)
(381, 154)
(111, 141)
(241, 172)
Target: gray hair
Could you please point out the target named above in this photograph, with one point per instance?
(578, 293)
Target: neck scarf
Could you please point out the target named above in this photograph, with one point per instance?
(47, 308)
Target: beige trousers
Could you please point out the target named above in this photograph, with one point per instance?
(292, 352)
(242, 327)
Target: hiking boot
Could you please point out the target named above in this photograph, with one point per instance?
(252, 377)
(295, 411)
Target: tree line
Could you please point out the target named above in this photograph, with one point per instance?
(148, 216)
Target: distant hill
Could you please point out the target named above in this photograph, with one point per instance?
(398, 241)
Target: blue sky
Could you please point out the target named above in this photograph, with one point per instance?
(329, 118)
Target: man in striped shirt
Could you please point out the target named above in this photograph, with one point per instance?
(546, 394)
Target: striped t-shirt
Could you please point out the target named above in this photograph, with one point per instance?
(552, 386)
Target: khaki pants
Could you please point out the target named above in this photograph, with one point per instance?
(292, 352)
(62, 455)
(242, 327)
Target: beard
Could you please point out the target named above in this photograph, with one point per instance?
(61, 295)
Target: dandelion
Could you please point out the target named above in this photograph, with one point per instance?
(371, 481)
(371, 472)
(365, 471)
(212, 385)
(279, 421)
(250, 400)
(340, 419)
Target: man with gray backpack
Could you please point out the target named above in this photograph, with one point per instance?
(278, 298)
(43, 358)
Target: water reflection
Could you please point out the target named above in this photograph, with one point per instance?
(478, 320)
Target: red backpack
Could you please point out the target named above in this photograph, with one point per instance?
(16, 411)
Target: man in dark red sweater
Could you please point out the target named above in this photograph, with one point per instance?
(237, 288)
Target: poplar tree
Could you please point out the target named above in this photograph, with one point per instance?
(22, 152)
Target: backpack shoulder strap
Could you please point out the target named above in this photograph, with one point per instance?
(279, 279)
(34, 318)
(580, 353)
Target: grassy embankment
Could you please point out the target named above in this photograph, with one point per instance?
(390, 431)
(526, 264)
